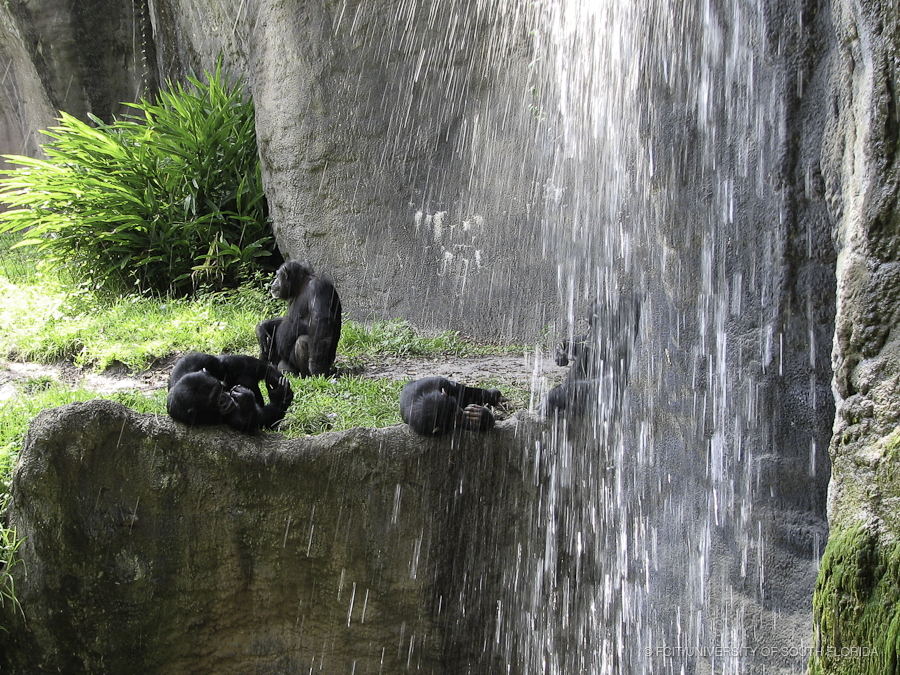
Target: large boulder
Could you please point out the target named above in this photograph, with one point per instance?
(397, 147)
(150, 547)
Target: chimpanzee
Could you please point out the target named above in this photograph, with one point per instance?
(574, 396)
(305, 341)
(577, 350)
(206, 389)
(602, 357)
(434, 406)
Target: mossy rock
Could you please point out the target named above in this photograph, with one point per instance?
(855, 606)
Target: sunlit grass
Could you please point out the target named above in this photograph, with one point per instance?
(45, 322)
(336, 404)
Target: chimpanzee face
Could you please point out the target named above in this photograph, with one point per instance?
(198, 397)
(290, 280)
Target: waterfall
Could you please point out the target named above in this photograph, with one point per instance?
(664, 152)
(665, 134)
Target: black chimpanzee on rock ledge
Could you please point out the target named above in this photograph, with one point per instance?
(305, 341)
(434, 406)
(206, 389)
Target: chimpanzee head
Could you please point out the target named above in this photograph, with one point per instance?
(290, 280)
(199, 398)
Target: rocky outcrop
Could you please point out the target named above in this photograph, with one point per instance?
(154, 548)
(397, 149)
(855, 600)
(87, 57)
(396, 140)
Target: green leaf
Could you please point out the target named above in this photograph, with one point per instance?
(176, 176)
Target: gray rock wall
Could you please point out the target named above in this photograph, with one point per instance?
(153, 548)
(396, 140)
(85, 57)
(854, 612)
(391, 139)
(862, 180)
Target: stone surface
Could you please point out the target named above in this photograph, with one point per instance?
(858, 582)
(155, 548)
(396, 149)
(86, 57)
(151, 547)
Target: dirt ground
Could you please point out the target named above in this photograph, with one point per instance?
(529, 371)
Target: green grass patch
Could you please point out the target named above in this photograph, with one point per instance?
(45, 321)
(336, 404)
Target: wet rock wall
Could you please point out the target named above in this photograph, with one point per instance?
(150, 547)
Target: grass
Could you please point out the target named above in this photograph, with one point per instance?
(47, 322)
(9, 560)
(341, 403)
(46, 319)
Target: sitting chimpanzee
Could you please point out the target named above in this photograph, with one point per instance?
(206, 389)
(434, 406)
(602, 357)
(574, 350)
(305, 341)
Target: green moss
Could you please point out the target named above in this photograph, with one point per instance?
(892, 446)
(855, 606)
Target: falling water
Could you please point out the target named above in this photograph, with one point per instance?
(646, 150)
(660, 132)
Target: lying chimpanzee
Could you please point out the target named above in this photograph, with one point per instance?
(206, 389)
(434, 406)
(305, 341)
(601, 357)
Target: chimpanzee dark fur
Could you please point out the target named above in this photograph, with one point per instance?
(206, 389)
(600, 359)
(434, 406)
(304, 342)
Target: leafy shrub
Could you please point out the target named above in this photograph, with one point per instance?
(164, 202)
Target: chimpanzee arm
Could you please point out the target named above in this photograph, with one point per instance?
(194, 363)
(475, 417)
(466, 395)
(248, 371)
(265, 336)
(324, 327)
(280, 398)
(570, 350)
(243, 370)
